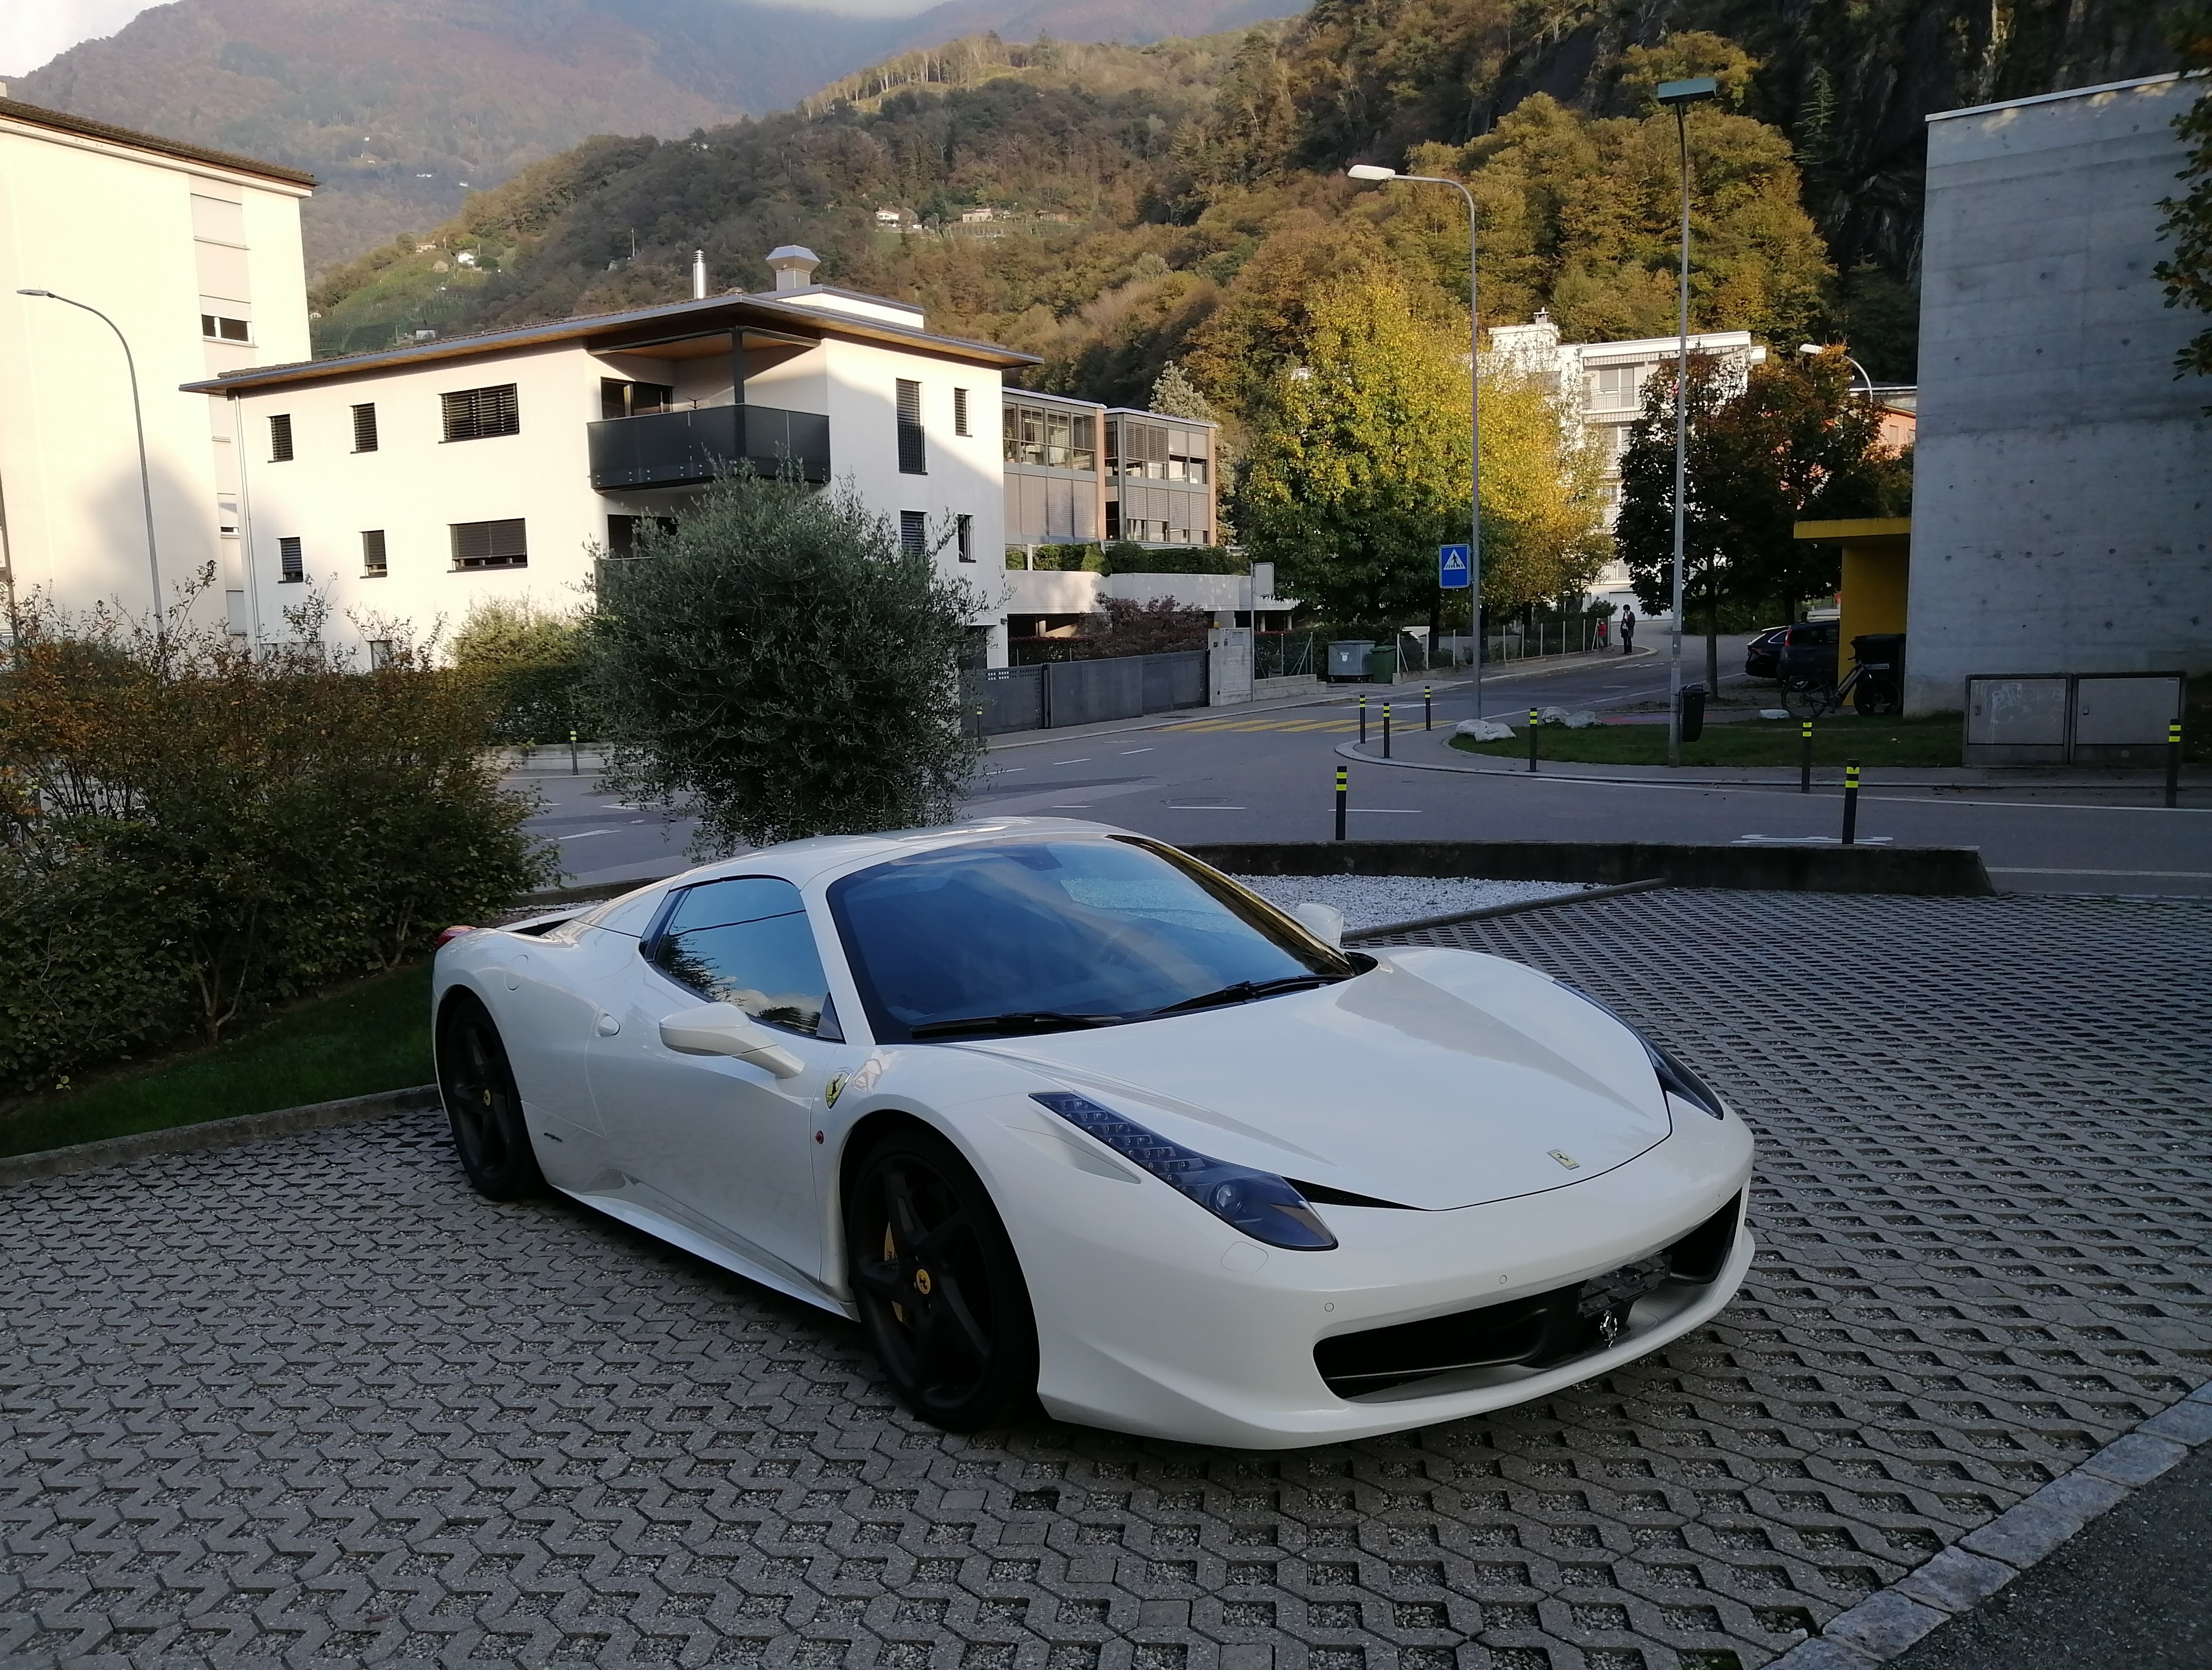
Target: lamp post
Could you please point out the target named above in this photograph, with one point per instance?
(1368, 171)
(1813, 349)
(145, 479)
(1680, 96)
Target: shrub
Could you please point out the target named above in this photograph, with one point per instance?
(782, 667)
(192, 832)
(532, 663)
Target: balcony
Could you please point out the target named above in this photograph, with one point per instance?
(684, 448)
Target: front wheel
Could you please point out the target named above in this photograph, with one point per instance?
(1806, 699)
(939, 1290)
(482, 1105)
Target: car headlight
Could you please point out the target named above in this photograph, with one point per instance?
(1260, 1204)
(1674, 1077)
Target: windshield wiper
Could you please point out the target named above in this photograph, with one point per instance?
(1035, 1020)
(1243, 992)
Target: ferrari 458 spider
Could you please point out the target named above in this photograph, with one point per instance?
(1056, 1112)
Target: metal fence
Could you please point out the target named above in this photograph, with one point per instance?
(1064, 693)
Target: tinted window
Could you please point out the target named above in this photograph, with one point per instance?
(1096, 927)
(746, 941)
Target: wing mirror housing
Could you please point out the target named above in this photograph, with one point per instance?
(1324, 922)
(717, 1028)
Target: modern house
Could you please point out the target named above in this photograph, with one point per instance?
(2062, 513)
(1600, 388)
(193, 256)
(410, 484)
(1161, 479)
(1056, 480)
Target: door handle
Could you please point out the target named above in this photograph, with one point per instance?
(607, 1025)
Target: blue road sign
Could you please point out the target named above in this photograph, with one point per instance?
(1451, 567)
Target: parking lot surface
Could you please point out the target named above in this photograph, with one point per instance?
(312, 1401)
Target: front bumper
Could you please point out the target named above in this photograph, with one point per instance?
(1154, 1318)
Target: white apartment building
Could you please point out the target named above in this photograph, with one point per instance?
(194, 255)
(1600, 387)
(407, 485)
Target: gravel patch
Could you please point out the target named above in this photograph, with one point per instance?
(1369, 901)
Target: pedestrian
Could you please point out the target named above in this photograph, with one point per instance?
(1602, 642)
(1627, 630)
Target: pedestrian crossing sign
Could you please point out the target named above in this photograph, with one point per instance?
(1451, 567)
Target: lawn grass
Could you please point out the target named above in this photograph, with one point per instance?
(1872, 741)
(375, 1036)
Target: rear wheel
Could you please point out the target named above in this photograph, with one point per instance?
(939, 1290)
(481, 1104)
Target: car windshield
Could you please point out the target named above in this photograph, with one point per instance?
(1045, 934)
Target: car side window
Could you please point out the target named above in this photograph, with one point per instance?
(745, 941)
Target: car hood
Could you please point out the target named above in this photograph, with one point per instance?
(1438, 1079)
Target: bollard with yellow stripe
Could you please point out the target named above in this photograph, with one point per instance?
(1851, 802)
(1343, 791)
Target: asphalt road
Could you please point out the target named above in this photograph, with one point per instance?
(1270, 776)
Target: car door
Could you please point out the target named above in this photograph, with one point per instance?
(725, 1139)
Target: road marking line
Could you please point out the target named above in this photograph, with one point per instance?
(1126, 750)
(581, 834)
(1085, 759)
(1205, 809)
(1406, 811)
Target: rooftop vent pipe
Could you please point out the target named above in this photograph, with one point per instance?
(794, 265)
(698, 275)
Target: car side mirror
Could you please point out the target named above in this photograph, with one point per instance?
(717, 1028)
(1324, 922)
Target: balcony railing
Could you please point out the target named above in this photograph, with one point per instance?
(682, 448)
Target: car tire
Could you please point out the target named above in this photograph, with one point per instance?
(485, 1108)
(938, 1288)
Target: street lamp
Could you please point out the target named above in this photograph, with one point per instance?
(145, 481)
(1368, 171)
(1815, 350)
(1680, 95)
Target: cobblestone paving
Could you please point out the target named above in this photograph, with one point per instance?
(311, 1401)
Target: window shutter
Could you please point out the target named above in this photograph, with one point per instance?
(280, 438)
(291, 566)
(913, 455)
(914, 531)
(478, 414)
(491, 545)
(364, 429)
(372, 551)
(960, 411)
(966, 539)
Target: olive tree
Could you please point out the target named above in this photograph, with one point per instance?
(781, 666)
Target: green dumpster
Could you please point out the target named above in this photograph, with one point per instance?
(1382, 665)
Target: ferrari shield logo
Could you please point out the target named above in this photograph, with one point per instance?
(1566, 1160)
(835, 1089)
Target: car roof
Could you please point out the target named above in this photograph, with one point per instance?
(802, 861)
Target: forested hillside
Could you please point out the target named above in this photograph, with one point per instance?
(1177, 202)
(402, 106)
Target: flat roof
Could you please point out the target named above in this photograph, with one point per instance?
(1161, 417)
(84, 128)
(1855, 530)
(1052, 400)
(2064, 92)
(635, 329)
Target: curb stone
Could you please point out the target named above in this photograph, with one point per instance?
(1881, 1627)
(215, 1133)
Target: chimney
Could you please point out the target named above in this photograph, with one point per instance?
(698, 275)
(793, 264)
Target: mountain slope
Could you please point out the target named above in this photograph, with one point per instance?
(403, 106)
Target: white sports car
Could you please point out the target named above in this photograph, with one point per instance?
(1057, 1112)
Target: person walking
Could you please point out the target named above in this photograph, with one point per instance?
(1603, 642)
(1627, 630)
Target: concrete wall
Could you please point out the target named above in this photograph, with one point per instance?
(2062, 517)
(152, 241)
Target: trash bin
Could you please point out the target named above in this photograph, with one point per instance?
(1382, 665)
(1347, 658)
(1693, 711)
(1882, 656)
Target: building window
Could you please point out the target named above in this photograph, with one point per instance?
(379, 653)
(964, 538)
(1614, 387)
(913, 532)
(618, 398)
(280, 438)
(372, 553)
(491, 545)
(478, 414)
(1053, 439)
(625, 533)
(215, 328)
(291, 566)
(913, 454)
(960, 411)
(364, 429)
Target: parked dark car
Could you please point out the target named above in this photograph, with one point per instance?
(1762, 655)
(1808, 654)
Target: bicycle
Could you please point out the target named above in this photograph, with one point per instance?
(1871, 687)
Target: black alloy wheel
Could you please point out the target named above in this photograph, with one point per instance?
(483, 1105)
(940, 1291)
